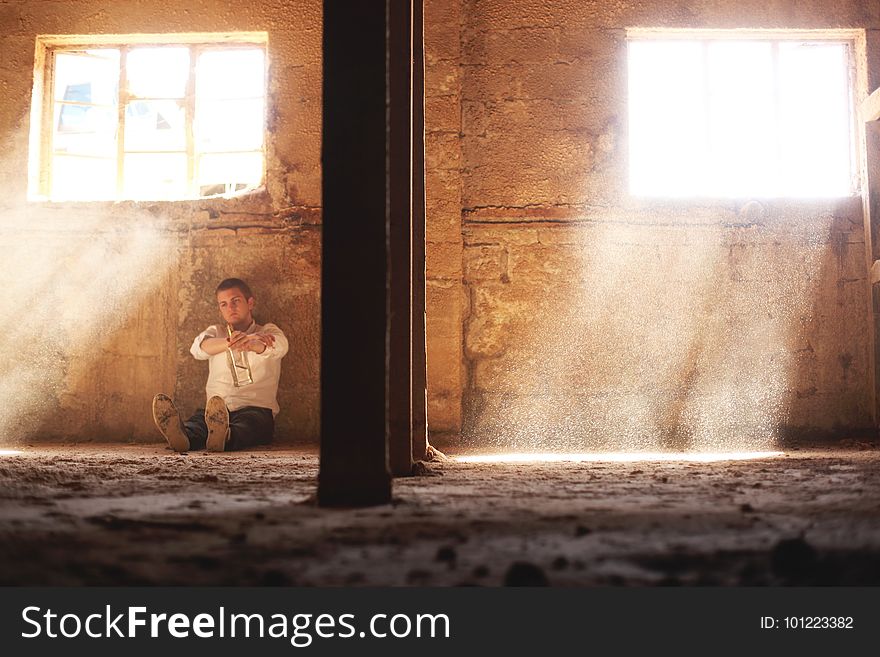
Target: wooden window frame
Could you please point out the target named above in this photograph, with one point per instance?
(43, 101)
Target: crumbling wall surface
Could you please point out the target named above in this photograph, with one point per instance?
(596, 320)
(101, 300)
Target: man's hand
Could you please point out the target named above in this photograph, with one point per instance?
(256, 342)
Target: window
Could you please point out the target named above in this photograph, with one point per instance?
(143, 118)
(741, 116)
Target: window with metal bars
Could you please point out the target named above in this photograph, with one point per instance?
(152, 121)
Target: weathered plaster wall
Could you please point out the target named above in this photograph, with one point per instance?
(102, 301)
(595, 320)
(557, 306)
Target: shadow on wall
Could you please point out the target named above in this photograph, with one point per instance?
(621, 335)
(832, 376)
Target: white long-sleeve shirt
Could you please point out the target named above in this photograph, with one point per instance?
(265, 370)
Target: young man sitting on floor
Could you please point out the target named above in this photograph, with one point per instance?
(235, 416)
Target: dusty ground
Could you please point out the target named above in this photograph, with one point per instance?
(112, 515)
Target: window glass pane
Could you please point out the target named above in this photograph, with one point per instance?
(157, 72)
(155, 125)
(235, 73)
(742, 122)
(668, 132)
(155, 176)
(219, 174)
(87, 76)
(228, 121)
(738, 118)
(226, 125)
(815, 128)
(83, 178)
(85, 130)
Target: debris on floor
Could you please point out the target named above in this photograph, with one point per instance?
(141, 515)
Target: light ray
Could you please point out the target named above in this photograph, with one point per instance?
(617, 457)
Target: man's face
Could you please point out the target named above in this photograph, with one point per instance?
(235, 309)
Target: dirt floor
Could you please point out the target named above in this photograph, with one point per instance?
(136, 514)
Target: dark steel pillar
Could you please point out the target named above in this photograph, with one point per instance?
(354, 265)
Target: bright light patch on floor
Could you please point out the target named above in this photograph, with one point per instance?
(9, 452)
(617, 457)
(729, 118)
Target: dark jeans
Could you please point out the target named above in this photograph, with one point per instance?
(248, 426)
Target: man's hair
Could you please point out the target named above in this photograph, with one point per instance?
(230, 283)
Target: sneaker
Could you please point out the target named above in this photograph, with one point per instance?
(217, 419)
(168, 422)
